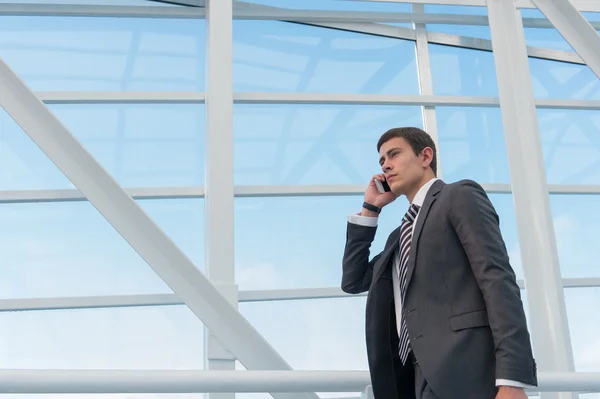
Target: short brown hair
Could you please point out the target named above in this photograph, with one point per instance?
(418, 139)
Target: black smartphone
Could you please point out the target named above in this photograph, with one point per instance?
(382, 186)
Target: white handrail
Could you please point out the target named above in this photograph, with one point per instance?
(159, 381)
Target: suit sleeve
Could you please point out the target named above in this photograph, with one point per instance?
(477, 226)
(357, 270)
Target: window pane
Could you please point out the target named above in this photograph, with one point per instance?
(69, 249)
(284, 57)
(577, 227)
(472, 144)
(312, 144)
(105, 54)
(462, 72)
(555, 79)
(140, 338)
(571, 144)
(314, 334)
(584, 327)
(140, 145)
(297, 242)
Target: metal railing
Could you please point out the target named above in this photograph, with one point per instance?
(177, 381)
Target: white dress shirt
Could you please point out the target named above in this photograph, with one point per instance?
(372, 222)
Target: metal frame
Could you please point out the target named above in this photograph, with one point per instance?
(142, 300)
(218, 196)
(548, 320)
(158, 381)
(249, 11)
(226, 323)
(141, 193)
(300, 98)
(576, 30)
(215, 301)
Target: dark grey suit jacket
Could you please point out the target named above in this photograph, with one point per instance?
(463, 306)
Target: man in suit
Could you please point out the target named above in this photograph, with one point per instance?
(444, 316)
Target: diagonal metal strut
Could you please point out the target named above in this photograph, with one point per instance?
(232, 330)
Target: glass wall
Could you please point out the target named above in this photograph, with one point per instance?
(135, 87)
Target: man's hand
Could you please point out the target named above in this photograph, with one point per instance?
(374, 197)
(511, 393)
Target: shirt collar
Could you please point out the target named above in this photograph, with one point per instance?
(422, 193)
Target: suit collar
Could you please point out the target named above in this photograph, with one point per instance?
(423, 191)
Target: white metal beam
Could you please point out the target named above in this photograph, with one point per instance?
(426, 83)
(474, 43)
(192, 381)
(581, 5)
(144, 300)
(259, 13)
(161, 193)
(300, 98)
(575, 29)
(381, 99)
(549, 327)
(72, 195)
(85, 10)
(120, 97)
(218, 199)
(146, 238)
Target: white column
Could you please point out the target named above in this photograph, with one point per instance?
(218, 199)
(576, 30)
(426, 82)
(219, 195)
(550, 333)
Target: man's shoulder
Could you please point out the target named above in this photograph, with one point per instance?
(463, 186)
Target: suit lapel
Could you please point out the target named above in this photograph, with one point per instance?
(429, 200)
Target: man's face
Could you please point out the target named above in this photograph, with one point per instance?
(402, 168)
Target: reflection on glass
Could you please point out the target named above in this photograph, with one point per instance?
(462, 72)
(312, 144)
(105, 54)
(472, 144)
(571, 145)
(577, 227)
(69, 249)
(298, 242)
(139, 145)
(283, 57)
(555, 79)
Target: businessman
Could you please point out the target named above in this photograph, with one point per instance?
(444, 316)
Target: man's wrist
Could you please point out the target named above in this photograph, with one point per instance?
(371, 207)
(370, 210)
(368, 213)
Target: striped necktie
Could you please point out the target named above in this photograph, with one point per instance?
(405, 241)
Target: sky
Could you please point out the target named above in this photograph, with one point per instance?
(68, 249)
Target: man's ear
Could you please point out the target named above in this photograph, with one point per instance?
(427, 155)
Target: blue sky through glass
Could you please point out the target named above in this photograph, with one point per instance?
(68, 249)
